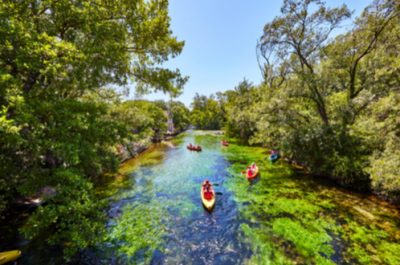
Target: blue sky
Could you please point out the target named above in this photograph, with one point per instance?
(220, 41)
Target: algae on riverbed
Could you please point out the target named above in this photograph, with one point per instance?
(294, 219)
(155, 213)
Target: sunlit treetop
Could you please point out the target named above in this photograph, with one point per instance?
(71, 46)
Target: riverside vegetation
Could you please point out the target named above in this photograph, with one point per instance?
(61, 119)
(329, 101)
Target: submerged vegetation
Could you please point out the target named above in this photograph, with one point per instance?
(282, 217)
(329, 103)
(290, 218)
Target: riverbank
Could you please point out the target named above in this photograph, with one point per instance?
(133, 149)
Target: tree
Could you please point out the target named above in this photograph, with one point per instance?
(145, 119)
(319, 87)
(180, 115)
(57, 59)
(239, 106)
(207, 113)
(380, 127)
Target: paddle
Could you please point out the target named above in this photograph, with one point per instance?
(218, 193)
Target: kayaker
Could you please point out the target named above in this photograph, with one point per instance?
(249, 171)
(208, 195)
(206, 185)
(274, 152)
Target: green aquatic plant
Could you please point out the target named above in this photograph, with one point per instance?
(293, 207)
(265, 251)
(370, 244)
(139, 229)
(183, 208)
(309, 242)
(389, 252)
(284, 218)
(293, 219)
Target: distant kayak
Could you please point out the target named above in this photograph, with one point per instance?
(194, 148)
(26, 203)
(224, 143)
(274, 157)
(252, 174)
(208, 199)
(9, 256)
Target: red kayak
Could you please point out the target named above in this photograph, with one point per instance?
(224, 143)
(252, 174)
(194, 148)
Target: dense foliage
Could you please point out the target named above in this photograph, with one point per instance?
(240, 105)
(323, 91)
(207, 113)
(178, 113)
(59, 123)
(328, 103)
(144, 118)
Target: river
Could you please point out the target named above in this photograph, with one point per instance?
(155, 214)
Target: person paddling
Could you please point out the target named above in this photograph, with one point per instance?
(207, 194)
(249, 171)
(206, 185)
(207, 190)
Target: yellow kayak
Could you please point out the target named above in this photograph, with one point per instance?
(9, 256)
(208, 203)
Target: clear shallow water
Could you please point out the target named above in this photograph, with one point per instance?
(155, 214)
(167, 180)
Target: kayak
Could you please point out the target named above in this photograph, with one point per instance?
(9, 256)
(194, 148)
(253, 175)
(208, 204)
(274, 157)
(224, 143)
(28, 203)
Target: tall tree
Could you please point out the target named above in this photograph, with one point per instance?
(297, 38)
(207, 113)
(318, 87)
(54, 55)
(240, 105)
